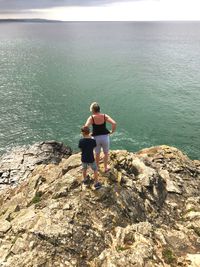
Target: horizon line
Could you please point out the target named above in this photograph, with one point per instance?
(43, 19)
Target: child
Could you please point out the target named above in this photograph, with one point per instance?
(87, 145)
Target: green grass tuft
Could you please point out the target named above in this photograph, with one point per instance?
(168, 256)
(36, 198)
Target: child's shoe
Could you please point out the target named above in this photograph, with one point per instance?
(87, 180)
(97, 185)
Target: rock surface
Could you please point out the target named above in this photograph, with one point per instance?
(147, 213)
(16, 165)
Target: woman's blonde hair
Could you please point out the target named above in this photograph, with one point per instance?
(94, 107)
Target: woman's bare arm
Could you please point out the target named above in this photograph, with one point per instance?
(112, 122)
(88, 122)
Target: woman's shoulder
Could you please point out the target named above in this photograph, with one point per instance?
(106, 116)
(98, 115)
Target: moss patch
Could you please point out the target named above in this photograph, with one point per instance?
(36, 198)
(168, 256)
(120, 248)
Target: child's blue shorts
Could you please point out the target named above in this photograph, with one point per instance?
(92, 165)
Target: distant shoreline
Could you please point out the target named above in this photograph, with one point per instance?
(61, 21)
(28, 20)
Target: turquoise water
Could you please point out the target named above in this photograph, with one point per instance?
(145, 75)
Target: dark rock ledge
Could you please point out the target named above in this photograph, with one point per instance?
(146, 215)
(17, 164)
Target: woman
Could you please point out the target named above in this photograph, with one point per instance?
(100, 132)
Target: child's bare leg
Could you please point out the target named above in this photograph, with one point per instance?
(97, 184)
(84, 173)
(96, 176)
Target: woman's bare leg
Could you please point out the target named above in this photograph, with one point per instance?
(97, 159)
(106, 157)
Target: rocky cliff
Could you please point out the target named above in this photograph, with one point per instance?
(146, 215)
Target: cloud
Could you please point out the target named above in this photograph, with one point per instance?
(7, 6)
(102, 10)
(38, 8)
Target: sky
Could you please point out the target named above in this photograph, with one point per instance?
(101, 10)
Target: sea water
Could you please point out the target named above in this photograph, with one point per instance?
(145, 75)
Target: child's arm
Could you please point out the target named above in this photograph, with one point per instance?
(79, 144)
